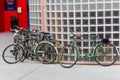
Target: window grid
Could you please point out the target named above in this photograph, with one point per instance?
(85, 17)
(35, 14)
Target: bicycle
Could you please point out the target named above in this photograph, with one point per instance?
(103, 52)
(47, 48)
(46, 36)
(56, 43)
(15, 52)
(26, 47)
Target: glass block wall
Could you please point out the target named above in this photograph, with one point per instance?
(35, 14)
(85, 17)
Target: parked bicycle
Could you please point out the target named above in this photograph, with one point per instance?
(103, 52)
(13, 53)
(27, 46)
(47, 48)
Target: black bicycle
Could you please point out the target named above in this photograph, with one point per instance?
(46, 48)
(27, 46)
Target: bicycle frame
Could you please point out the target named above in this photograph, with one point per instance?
(79, 50)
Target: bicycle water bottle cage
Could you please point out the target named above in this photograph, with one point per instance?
(105, 40)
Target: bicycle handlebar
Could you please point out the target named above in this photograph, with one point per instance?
(78, 36)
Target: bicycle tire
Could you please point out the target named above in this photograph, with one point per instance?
(33, 44)
(46, 52)
(16, 55)
(56, 44)
(68, 56)
(106, 54)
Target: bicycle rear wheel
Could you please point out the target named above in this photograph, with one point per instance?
(106, 54)
(30, 48)
(13, 53)
(68, 56)
(46, 52)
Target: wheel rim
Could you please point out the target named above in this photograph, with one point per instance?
(47, 53)
(13, 54)
(67, 57)
(106, 54)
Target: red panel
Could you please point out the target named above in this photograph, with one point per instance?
(5, 15)
(22, 16)
(1, 16)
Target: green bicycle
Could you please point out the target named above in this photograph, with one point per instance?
(103, 52)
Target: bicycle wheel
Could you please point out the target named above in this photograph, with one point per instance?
(30, 47)
(56, 44)
(106, 54)
(13, 53)
(68, 56)
(46, 52)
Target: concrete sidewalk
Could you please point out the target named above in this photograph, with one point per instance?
(34, 70)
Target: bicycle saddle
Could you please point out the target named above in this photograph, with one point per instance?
(105, 40)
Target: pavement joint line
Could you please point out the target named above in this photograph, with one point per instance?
(29, 73)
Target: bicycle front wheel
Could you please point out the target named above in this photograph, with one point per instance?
(46, 53)
(106, 54)
(13, 53)
(68, 56)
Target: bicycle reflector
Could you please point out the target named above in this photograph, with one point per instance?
(33, 29)
(78, 36)
(105, 40)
